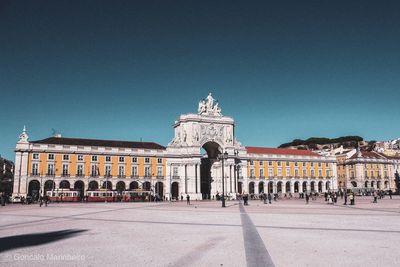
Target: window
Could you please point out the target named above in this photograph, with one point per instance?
(270, 173)
(251, 162)
(279, 163)
(261, 172)
(251, 172)
(134, 171)
(320, 173)
(147, 171)
(261, 163)
(134, 160)
(80, 157)
(35, 169)
(175, 171)
(304, 173)
(287, 163)
(108, 158)
(35, 156)
(159, 171)
(51, 157)
(304, 164)
(146, 160)
(270, 163)
(296, 164)
(108, 171)
(79, 171)
(366, 174)
(279, 172)
(121, 159)
(159, 161)
(50, 169)
(65, 169)
(65, 157)
(296, 173)
(94, 158)
(287, 171)
(95, 171)
(121, 170)
(319, 164)
(312, 173)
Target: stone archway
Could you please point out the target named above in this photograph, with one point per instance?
(304, 187)
(107, 185)
(93, 185)
(80, 186)
(287, 187)
(320, 183)
(270, 187)
(261, 187)
(208, 174)
(175, 190)
(48, 186)
(279, 187)
(240, 187)
(146, 186)
(34, 189)
(159, 187)
(251, 188)
(133, 185)
(120, 186)
(296, 187)
(328, 186)
(312, 187)
(64, 184)
(378, 184)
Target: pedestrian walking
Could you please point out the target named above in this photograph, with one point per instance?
(345, 198)
(390, 194)
(307, 198)
(269, 198)
(187, 199)
(40, 201)
(351, 197)
(375, 198)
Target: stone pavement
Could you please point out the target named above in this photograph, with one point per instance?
(286, 233)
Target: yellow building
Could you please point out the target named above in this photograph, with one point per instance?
(202, 160)
(365, 171)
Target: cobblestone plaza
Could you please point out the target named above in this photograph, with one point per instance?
(285, 233)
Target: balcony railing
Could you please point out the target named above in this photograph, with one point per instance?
(252, 177)
(50, 174)
(175, 177)
(160, 176)
(121, 176)
(65, 175)
(134, 176)
(80, 175)
(34, 174)
(94, 175)
(262, 176)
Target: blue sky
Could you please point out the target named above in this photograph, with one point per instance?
(126, 70)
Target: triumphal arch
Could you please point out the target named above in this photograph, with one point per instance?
(194, 154)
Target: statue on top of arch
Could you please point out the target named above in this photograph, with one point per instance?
(208, 107)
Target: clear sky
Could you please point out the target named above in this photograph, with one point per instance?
(126, 70)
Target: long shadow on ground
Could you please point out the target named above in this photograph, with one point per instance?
(20, 241)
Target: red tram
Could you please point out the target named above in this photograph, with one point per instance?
(101, 196)
(64, 196)
(137, 196)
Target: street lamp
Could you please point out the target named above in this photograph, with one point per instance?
(223, 157)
